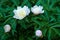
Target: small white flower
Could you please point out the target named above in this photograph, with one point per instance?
(7, 28)
(37, 9)
(20, 13)
(38, 33)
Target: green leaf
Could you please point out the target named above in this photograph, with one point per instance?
(13, 25)
(16, 2)
(22, 23)
(49, 34)
(56, 25)
(57, 32)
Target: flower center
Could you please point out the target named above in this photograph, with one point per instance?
(22, 13)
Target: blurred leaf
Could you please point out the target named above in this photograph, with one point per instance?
(49, 34)
(16, 2)
(57, 32)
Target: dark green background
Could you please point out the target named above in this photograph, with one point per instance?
(48, 22)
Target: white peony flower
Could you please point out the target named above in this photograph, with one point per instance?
(38, 33)
(20, 13)
(37, 9)
(7, 28)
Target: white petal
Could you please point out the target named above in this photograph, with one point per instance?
(27, 10)
(41, 7)
(25, 7)
(14, 10)
(14, 16)
(42, 11)
(35, 6)
(18, 7)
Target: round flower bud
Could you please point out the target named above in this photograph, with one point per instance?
(38, 33)
(7, 28)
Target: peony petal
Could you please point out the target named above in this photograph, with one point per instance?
(41, 7)
(35, 6)
(27, 10)
(18, 7)
(42, 11)
(14, 10)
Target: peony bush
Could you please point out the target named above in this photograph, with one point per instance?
(29, 19)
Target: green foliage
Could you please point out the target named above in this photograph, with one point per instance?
(49, 22)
